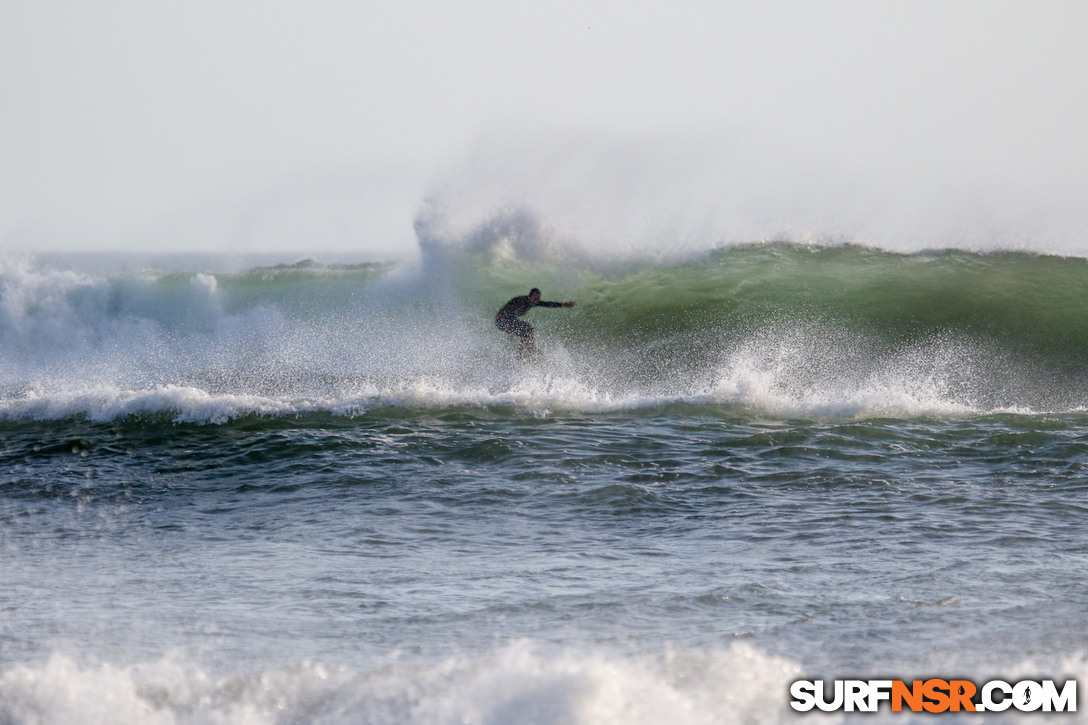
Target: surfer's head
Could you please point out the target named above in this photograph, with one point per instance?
(534, 294)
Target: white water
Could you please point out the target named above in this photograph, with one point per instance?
(183, 344)
(514, 684)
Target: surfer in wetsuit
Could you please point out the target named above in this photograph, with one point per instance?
(507, 319)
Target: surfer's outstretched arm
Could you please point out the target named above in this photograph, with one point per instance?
(506, 319)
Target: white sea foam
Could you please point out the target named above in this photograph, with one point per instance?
(747, 388)
(516, 683)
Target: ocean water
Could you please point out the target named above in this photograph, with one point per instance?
(271, 491)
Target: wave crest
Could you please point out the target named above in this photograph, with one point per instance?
(785, 329)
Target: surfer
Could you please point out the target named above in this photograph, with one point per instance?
(507, 319)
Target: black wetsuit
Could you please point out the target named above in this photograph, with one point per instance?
(507, 318)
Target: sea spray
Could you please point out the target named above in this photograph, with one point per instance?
(786, 328)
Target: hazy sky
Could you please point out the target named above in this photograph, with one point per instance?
(325, 123)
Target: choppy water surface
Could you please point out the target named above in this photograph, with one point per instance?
(330, 494)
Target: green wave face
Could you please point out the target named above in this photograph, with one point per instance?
(777, 328)
(986, 329)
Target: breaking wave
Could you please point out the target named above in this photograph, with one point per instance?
(779, 328)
